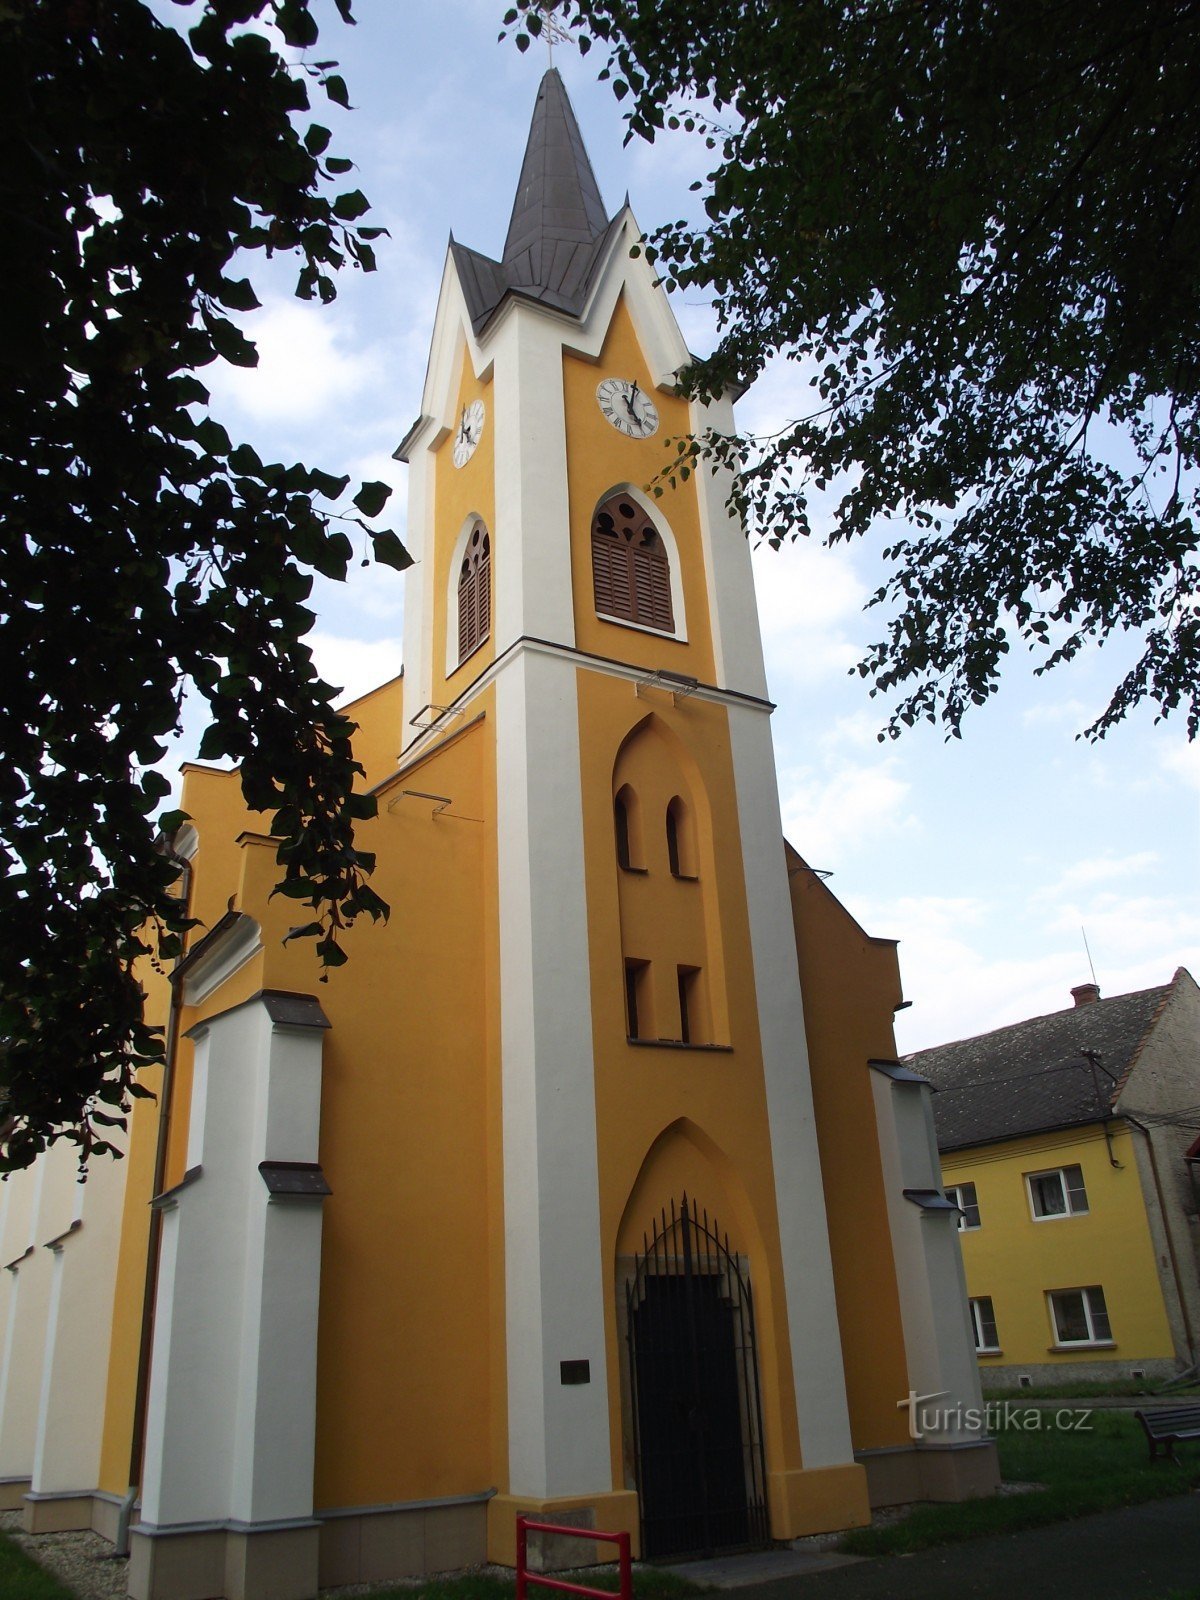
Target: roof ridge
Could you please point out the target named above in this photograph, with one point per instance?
(1045, 1016)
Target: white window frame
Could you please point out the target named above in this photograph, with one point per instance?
(954, 1192)
(973, 1307)
(1060, 1173)
(1093, 1341)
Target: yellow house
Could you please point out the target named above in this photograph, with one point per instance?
(591, 1185)
(1065, 1143)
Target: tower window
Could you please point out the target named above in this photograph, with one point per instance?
(475, 593)
(630, 571)
(627, 825)
(638, 1019)
(680, 854)
(694, 1026)
(621, 823)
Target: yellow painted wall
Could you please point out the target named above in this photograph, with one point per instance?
(460, 493)
(599, 460)
(851, 985)
(411, 1336)
(1016, 1260)
(672, 1118)
(379, 715)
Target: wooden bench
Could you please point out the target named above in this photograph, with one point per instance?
(1165, 1426)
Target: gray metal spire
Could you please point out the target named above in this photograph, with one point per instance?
(558, 211)
(558, 228)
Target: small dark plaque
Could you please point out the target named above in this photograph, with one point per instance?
(575, 1371)
(294, 1179)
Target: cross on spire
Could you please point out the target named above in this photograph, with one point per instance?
(553, 31)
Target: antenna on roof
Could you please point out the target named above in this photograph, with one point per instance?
(1088, 953)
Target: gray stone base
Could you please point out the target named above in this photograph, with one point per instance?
(12, 1493)
(1039, 1373)
(930, 1472)
(227, 1563)
(370, 1544)
(57, 1513)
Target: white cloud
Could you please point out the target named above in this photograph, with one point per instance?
(1088, 874)
(1055, 711)
(1183, 761)
(306, 365)
(354, 665)
(806, 597)
(827, 813)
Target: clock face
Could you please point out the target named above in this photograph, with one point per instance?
(466, 435)
(630, 410)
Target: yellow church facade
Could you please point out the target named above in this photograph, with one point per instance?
(590, 1185)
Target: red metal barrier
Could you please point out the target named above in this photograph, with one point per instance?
(525, 1525)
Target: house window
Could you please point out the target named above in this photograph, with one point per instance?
(1059, 1193)
(964, 1197)
(475, 593)
(689, 1005)
(1079, 1316)
(630, 571)
(983, 1323)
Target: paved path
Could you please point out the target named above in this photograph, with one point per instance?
(1146, 1552)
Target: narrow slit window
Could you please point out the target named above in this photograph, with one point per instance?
(692, 1022)
(681, 855)
(621, 826)
(639, 1023)
(673, 839)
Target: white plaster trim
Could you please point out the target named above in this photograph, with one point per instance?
(733, 605)
(938, 1340)
(226, 956)
(813, 1332)
(633, 675)
(558, 1436)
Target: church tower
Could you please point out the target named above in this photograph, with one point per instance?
(652, 1041)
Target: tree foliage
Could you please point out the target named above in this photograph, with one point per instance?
(143, 549)
(975, 226)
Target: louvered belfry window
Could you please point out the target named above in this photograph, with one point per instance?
(475, 592)
(630, 570)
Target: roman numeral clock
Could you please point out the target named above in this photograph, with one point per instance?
(630, 410)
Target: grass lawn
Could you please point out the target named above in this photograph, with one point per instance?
(23, 1579)
(1097, 1470)
(1083, 1390)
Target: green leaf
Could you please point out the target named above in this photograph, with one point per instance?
(390, 552)
(348, 206)
(238, 294)
(372, 498)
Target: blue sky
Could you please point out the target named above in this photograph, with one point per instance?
(984, 857)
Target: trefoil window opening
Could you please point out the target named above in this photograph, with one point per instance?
(631, 573)
(475, 593)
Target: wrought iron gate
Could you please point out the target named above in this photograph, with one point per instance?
(697, 1415)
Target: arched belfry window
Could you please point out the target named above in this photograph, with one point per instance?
(475, 592)
(630, 569)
